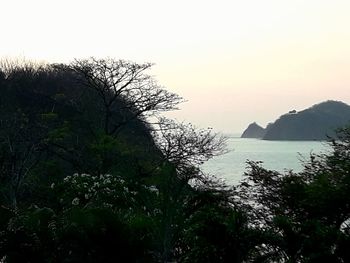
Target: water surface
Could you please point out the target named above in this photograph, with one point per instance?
(276, 155)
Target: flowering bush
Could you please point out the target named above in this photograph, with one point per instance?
(104, 190)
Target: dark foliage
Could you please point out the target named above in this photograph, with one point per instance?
(85, 177)
(305, 215)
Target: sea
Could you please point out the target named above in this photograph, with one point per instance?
(281, 156)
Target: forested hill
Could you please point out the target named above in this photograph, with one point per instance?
(86, 177)
(50, 116)
(314, 123)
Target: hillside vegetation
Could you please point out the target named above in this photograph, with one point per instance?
(315, 123)
(91, 171)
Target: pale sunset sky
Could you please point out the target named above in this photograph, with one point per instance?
(234, 62)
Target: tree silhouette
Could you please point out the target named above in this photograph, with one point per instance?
(126, 91)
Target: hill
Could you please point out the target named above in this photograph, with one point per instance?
(253, 131)
(314, 123)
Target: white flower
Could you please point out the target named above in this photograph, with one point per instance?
(52, 185)
(75, 201)
(153, 189)
(107, 181)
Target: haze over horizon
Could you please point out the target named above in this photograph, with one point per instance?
(234, 62)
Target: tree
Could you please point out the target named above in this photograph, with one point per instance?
(187, 147)
(184, 149)
(107, 182)
(22, 130)
(303, 215)
(21, 147)
(125, 90)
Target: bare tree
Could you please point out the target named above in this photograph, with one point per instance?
(124, 87)
(187, 147)
(10, 67)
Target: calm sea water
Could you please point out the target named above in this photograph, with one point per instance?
(276, 155)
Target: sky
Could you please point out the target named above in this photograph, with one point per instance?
(235, 62)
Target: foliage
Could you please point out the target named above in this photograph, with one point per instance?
(187, 147)
(84, 174)
(305, 214)
(123, 89)
(86, 177)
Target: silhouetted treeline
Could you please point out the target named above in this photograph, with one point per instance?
(90, 171)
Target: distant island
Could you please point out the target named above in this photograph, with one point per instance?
(253, 131)
(314, 123)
